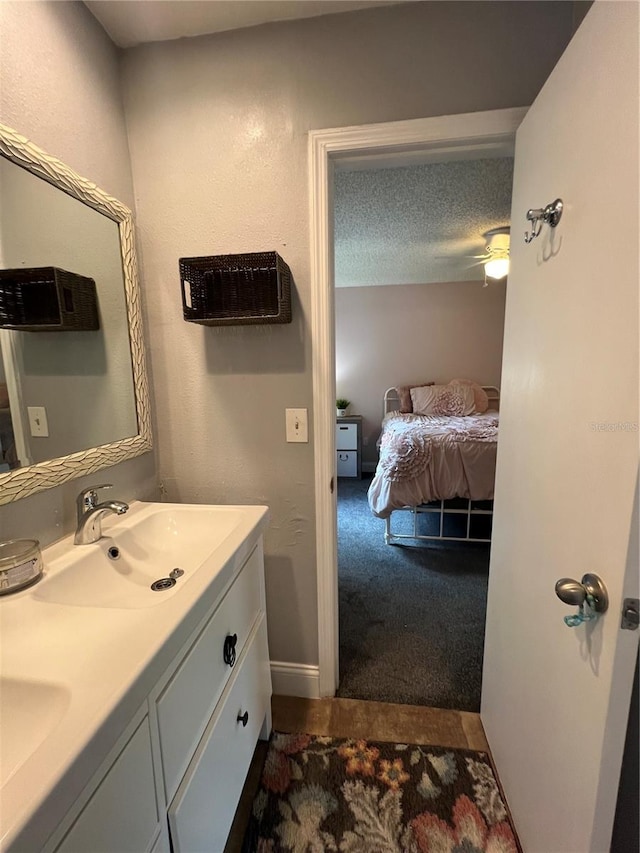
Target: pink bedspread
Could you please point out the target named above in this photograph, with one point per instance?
(429, 457)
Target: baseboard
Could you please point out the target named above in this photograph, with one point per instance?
(295, 679)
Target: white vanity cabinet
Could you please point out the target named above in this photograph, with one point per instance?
(173, 780)
(210, 714)
(188, 697)
(122, 813)
(202, 811)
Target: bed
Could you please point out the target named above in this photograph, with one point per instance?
(436, 471)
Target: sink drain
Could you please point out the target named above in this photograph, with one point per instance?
(163, 583)
(167, 583)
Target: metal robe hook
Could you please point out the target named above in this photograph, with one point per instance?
(551, 214)
(535, 217)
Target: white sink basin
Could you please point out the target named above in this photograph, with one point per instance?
(150, 544)
(29, 711)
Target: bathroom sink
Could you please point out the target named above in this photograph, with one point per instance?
(29, 711)
(134, 552)
(80, 649)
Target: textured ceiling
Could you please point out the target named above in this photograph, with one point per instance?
(131, 22)
(418, 224)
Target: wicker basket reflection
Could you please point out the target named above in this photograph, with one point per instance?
(47, 299)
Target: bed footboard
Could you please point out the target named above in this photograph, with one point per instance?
(455, 520)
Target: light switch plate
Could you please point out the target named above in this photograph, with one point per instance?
(297, 426)
(38, 420)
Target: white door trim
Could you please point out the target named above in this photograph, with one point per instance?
(482, 132)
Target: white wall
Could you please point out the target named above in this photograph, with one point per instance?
(397, 334)
(60, 88)
(218, 137)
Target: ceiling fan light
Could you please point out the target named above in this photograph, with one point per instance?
(497, 268)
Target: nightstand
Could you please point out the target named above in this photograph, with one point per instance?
(349, 446)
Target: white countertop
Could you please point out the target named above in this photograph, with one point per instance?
(104, 662)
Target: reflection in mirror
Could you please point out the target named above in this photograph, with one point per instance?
(62, 392)
(71, 402)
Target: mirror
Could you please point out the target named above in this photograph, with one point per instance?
(87, 390)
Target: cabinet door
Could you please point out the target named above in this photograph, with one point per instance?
(122, 814)
(202, 811)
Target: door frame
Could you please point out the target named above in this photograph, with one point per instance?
(440, 137)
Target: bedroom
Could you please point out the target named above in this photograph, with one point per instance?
(410, 238)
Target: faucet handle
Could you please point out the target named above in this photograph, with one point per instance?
(88, 497)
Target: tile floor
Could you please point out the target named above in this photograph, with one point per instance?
(356, 718)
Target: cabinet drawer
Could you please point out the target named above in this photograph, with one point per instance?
(347, 463)
(346, 436)
(202, 812)
(122, 814)
(185, 705)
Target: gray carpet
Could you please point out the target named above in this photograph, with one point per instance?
(411, 616)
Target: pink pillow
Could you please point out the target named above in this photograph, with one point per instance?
(404, 396)
(481, 400)
(450, 400)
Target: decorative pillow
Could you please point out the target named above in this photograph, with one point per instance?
(479, 394)
(452, 400)
(404, 396)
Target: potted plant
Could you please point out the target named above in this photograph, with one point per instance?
(341, 406)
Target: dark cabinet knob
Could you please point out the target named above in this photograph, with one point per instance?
(243, 718)
(229, 650)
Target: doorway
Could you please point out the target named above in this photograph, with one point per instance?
(480, 133)
(413, 306)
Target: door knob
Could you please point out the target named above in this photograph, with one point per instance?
(590, 594)
(571, 592)
(590, 590)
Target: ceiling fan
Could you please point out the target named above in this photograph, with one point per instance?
(496, 255)
(496, 266)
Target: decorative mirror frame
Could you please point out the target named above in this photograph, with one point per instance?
(45, 475)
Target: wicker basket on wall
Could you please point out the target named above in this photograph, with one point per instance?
(235, 290)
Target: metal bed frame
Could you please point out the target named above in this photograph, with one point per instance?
(391, 404)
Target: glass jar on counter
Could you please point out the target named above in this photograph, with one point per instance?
(20, 564)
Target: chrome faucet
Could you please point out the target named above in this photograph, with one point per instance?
(90, 514)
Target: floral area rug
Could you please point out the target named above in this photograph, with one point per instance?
(357, 796)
